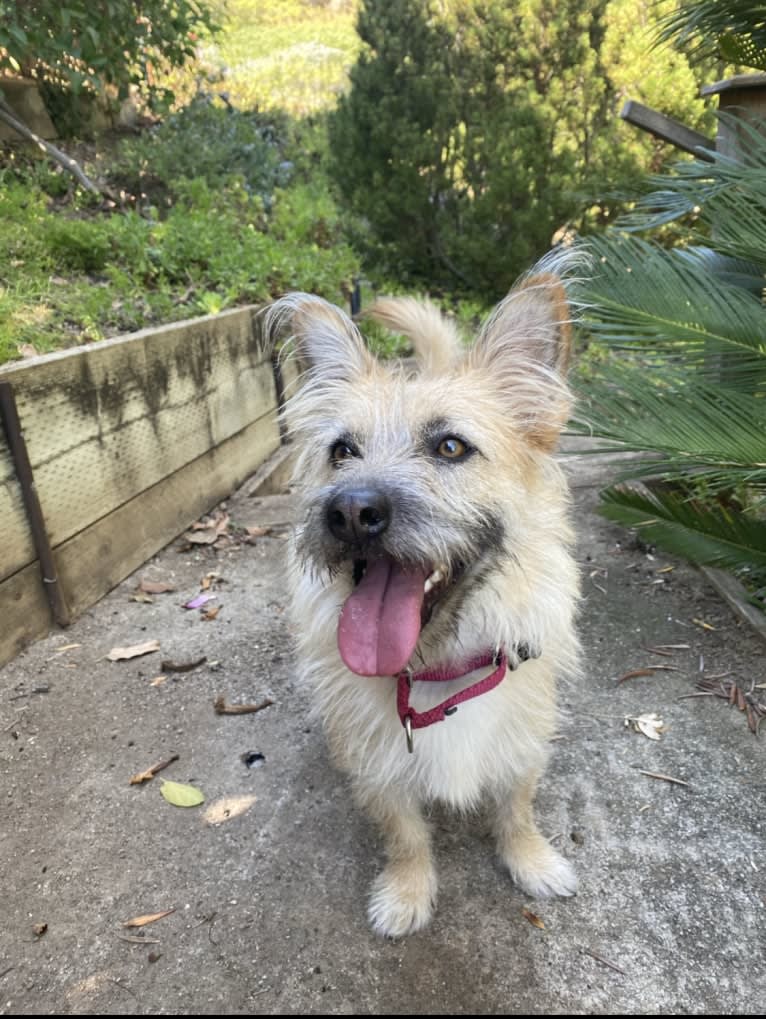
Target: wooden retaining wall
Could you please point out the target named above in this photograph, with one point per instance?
(130, 440)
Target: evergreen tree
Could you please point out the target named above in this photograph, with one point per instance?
(475, 130)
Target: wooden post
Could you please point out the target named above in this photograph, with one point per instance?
(744, 98)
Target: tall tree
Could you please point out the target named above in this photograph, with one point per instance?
(474, 130)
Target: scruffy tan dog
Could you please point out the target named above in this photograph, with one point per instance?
(432, 584)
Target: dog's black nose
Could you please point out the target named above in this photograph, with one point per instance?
(358, 514)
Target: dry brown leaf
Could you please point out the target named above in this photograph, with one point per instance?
(142, 596)
(118, 654)
(227, 808)
(222, 708)
(533, 918)
(155, 586)
(208, 580)
(39, 929)
(142, 921)
(212, 612)
(170, 666)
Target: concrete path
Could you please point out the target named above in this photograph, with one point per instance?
(269, 904)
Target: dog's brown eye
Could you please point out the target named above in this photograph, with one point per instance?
(341, 451)
(452, 448)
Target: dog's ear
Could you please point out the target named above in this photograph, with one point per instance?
(525, 348)
(435, 339)
(325, 339)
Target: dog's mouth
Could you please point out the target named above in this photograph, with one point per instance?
(381, 619)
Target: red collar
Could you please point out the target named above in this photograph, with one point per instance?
(412, 719)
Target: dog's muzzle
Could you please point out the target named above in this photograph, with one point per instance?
(357, 515)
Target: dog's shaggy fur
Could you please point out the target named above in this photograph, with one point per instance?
(459, 453)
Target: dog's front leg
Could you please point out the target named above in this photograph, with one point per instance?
(404, 893)
(535, 865)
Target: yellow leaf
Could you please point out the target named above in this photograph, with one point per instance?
(181, 795)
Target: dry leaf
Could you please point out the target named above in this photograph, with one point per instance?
(155, 586)
(158, 681)
(208, 580)
(169, 666)
(650, 725)
(222, 708)
(533, 918)
(212, 612)
(142, 596)
(227, 808)
(142, 921)
(118, 654)
(39, 929)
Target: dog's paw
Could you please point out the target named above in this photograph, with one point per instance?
(539, 870)
(402, 900)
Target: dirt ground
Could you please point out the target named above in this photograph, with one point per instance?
(268, 895)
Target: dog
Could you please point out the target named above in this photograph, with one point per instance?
(432, 583)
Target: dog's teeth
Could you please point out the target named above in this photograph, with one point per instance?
(436, 577)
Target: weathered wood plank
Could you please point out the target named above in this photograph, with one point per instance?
(667, 129)
(26, 614)
(95, 560)
(106, 422)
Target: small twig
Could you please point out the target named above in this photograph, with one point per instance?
(6, 972)
(222, 708)
(600, 958)
(136, 939)
(123, 987)
(665, 778)
(145, 776)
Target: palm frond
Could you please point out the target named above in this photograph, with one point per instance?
(666, 306)
(686, 427)
(724, 195)
(709, 536)
(732, 29)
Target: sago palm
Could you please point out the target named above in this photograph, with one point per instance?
(682, 380)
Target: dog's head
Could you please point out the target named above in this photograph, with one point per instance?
(422, 483)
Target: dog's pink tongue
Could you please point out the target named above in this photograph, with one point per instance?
(379, 623)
